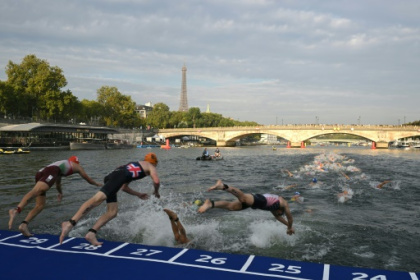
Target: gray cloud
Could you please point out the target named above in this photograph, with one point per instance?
(251, 60)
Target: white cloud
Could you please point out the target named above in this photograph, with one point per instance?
(288, 59)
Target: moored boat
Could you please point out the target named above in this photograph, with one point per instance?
(114, 144)
(7, 151)
(88, 144)
(22, 151)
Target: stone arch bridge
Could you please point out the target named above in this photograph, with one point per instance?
(381, 135)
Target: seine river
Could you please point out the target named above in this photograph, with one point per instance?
(375, 227)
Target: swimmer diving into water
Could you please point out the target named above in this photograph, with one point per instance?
(277, 205)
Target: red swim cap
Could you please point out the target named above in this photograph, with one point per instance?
(74, 159)
(152, 158)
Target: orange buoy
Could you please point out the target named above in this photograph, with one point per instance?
(166, 146)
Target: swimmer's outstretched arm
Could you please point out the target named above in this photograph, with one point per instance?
(129, 190)
(289, 217)
(347, 177)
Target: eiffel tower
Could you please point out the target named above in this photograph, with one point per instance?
(183, 104)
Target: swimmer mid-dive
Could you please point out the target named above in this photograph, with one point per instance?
(178, 229)
(380, 186)
(289, 173)
(297, 198)
(344, 174)
(346, 195)
(314, 182)
(45, 179)
(289, 187)
(277, 205)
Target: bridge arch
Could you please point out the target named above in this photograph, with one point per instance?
(296, 134)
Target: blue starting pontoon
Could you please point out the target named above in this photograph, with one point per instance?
(42, 257)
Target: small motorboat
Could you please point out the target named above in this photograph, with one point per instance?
(204, 158)
(209, 158)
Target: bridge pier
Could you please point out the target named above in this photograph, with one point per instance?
(295, 145)
(382, 145)
(225, 143)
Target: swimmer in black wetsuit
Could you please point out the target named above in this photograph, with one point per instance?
(269, 202)
(116, 180)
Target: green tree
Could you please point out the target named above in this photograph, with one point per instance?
(225, 122)
(193, 117)
(211, 119)
(59, 105)
(178, 119)
(91, 112)
(160, 116)
(244, 123)
(8, 100)
(119, 109)
(33, 82)
(413, 123)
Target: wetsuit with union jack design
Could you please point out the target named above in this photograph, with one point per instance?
(120, 176)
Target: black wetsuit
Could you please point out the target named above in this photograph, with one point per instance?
(120, 176)
(268, 202)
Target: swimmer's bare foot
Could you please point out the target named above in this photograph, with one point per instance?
(219, 186)
(12, 215)
(91, 238)
(206, 206)
(172, 215)
(23, 228)
(65, 229)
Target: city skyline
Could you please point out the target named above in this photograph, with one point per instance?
(272, 62)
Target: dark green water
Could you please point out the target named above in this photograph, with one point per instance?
(376, 228)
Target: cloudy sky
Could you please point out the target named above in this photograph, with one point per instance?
(273, 62)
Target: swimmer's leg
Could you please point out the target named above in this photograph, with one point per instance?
(94, 201)
(229, 205)
(173, 218)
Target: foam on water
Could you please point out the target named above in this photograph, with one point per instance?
(375, 228)
(264, 234)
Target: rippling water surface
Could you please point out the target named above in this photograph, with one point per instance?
(376, 228)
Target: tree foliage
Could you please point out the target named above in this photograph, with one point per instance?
(119, 109)
(413, 123)
(37, 86)
(8, 100)
(34, 89)
(160, 116)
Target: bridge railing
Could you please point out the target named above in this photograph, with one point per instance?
(302, 126)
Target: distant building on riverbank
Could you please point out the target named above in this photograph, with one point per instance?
(59, 136)
(144, 110)
(37, 135)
